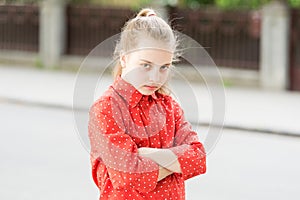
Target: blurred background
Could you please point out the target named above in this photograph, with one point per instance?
(239, 35)
(254, 43)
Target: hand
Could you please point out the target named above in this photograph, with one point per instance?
(163, 157)
(163, 173)
(143, 151)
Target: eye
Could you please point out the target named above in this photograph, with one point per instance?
(164, 67)
(146, 65)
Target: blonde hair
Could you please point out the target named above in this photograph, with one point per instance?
(145, 22)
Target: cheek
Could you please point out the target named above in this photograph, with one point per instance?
(164, 76)
(136, 77)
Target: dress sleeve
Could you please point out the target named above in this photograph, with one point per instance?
(189, 151)
(112, 146)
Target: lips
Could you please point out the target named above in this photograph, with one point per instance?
(151, 87)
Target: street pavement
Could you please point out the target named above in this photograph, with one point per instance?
(44, 153)
(234, 107)
(43, 158)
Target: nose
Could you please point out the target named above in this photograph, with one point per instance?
(154, 74)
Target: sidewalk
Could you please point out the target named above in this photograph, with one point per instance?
(246, 108)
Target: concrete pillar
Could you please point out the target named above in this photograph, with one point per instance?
(274, 62)
(52, 31)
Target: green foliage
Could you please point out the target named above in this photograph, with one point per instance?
(79, 1)
(200, 2)
(231, 4)
(196, 3)
(227, 83)
(142, 3)
(294, 3)
(38, 63)
(234, 4)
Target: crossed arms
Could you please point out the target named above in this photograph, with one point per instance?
(165, 158)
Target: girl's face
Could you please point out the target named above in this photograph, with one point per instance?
(147, 69)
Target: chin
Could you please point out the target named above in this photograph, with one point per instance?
(146, 92)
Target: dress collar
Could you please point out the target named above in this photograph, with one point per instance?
(130, 93)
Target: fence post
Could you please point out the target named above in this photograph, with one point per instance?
(274, 63)
(52, 31)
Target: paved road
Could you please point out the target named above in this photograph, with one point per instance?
(246, 108)
(42, 158)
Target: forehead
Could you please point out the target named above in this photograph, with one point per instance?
(154, 55)
(152, 50)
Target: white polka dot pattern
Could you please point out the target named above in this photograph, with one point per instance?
(122, 121)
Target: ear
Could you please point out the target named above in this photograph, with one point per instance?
(123, 60)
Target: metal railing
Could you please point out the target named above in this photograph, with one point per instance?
(88, 26)
(19, 27)
(232, 38)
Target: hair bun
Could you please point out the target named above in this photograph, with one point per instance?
(146, 12)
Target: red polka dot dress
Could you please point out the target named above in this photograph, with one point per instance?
(122, 121)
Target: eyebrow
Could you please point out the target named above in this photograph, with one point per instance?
(147, 61)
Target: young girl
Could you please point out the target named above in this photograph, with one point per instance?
(141, 145)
